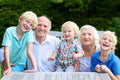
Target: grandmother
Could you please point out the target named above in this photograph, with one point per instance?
(89, 42)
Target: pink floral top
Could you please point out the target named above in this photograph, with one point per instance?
(64, 53)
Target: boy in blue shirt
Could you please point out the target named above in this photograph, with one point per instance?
(105, 60)
(18, 42)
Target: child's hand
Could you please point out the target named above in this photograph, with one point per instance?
(105, 68)
(31, 71)
(51, 58)
(7, 71)
(74, 55)
(98, 68)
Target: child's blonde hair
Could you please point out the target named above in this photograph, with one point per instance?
(93, 29)
(31, 16)
(112, 35)
(71, 25)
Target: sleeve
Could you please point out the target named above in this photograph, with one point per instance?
(7, 38)
(79, 48)
(116, 66)
(58, 47)
(57, 43)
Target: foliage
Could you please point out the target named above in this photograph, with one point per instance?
(103, 14)
(116, 24)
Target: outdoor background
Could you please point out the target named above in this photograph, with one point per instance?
(102, 14)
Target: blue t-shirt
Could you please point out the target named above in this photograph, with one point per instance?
(113, 62)
(18, 48)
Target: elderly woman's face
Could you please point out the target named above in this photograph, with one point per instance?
(87, 37)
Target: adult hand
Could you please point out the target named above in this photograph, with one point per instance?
(76, 66)
(73, 55)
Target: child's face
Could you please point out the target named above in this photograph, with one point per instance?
(25, 24)
(87, 37)
(106, 43)
(68, 34)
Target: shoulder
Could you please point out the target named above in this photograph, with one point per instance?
(29, 32)
(114, 57)
(52, 38)
(96, 54)
(10, 29)
(114, 61)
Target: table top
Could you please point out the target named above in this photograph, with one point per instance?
(57, 76)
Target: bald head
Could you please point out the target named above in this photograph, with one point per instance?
(46, 20)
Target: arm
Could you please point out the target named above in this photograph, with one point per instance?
(31, 57)
(93, 63)
(6, 62)
(107, 70)
(79, 52)
(76, 65)
(118, 77)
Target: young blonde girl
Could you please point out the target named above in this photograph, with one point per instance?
(68, 49)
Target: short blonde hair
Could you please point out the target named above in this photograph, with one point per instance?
(94, 30)
(31, 16)
(112, 35)
(71, 25)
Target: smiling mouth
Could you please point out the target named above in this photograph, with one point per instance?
(40, 31)
(25, 27)
(105, 45)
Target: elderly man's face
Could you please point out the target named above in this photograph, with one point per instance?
(43, 27)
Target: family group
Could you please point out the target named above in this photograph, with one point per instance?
(28, 47)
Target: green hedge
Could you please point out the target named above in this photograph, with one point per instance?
(59, 11)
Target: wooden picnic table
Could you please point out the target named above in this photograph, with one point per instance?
(57, 76)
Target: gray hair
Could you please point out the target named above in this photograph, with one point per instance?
(96, 36)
